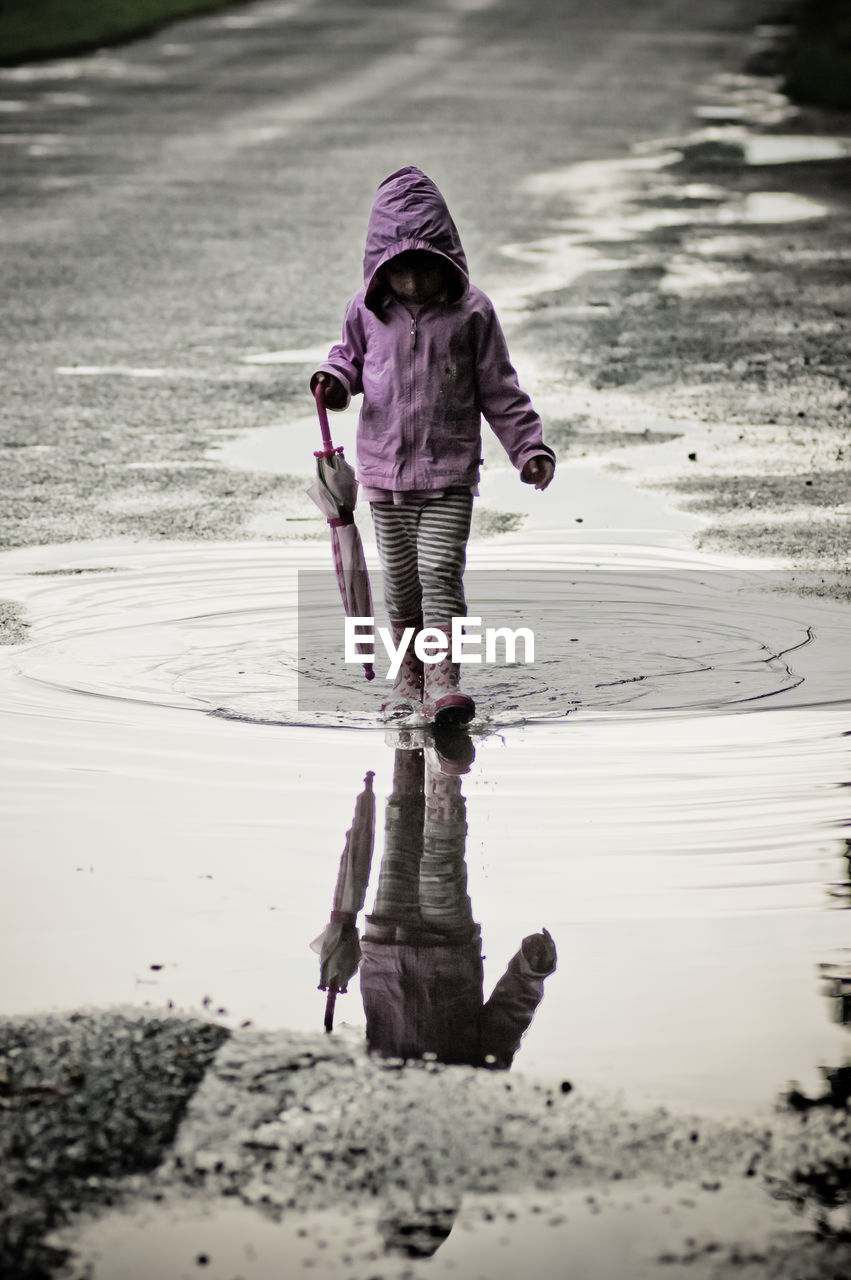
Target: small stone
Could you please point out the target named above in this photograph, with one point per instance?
(692, 457)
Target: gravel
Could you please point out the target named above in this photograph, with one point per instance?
(123, 1108)
(84, 1100)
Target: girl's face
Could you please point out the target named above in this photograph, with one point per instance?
(415, 276)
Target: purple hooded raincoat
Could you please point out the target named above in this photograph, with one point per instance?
(427, 374)
(430, 999)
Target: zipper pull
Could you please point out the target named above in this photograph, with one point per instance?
(413, 331)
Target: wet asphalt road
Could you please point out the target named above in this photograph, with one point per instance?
(174, 205)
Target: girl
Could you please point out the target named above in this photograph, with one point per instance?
(426, 349)
(421, 978)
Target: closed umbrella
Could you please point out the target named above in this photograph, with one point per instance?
(338, 946)
(335, 492)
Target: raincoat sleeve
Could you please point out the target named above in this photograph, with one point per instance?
(345, 360)
(510, 1010)
(505, 405)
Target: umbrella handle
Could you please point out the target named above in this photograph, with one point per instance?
(330, 1001)
(319, 396)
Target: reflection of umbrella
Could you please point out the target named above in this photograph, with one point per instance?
(335, 492)
(338, 946)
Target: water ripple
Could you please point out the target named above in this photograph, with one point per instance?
(215, 629)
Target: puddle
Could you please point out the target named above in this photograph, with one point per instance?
(756, 148)
(106, 370)
(287, 448)
(646, 636)
(588, 498)
(723, 112)
(764, 208)
(67, 99)
(594, 179)
(96, 66)
(671, 816)
(33, 72)
(753, 100)
(471, 6)
(643, 1231)
(608, 642)
(295, 355)
(775, 148)
(266, 15)
(43, 141)
(243, 22)
(141, 371)
(625, 199)
(683, 275)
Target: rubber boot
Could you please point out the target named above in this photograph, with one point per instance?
(450, 749)
(406, 696)
(443, 701)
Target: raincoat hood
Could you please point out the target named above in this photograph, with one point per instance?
(410, 213)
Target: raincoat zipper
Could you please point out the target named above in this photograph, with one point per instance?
(413, 425)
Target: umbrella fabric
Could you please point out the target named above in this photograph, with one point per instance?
(338, 946)
(339, 955)
(335, 493)
(350, 567)
(335, 489)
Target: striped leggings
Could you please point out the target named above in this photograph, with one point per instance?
(423, 549)
(421, 897)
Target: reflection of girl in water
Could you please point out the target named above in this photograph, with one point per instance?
(421, 978)
(421, 975)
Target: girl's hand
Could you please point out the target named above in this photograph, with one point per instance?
(538, 471)
(335, 392)
(540, 951)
